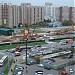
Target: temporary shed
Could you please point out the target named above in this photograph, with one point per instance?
(7, 32)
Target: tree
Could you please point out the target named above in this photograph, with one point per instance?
(37, 58)
(66, 23)
(49, 20)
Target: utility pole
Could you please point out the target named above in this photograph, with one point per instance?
(25, 36)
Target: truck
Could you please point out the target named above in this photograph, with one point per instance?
(66, 41)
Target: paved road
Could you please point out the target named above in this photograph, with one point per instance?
(10, 56)
(3, 67)
(70, 67)
(33, 68)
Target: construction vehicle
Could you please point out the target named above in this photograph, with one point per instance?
(31, 36)
(66, 41)
(25, 33)
(66, 30)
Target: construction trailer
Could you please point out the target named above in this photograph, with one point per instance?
(6, 32)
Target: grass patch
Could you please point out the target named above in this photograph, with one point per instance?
(7, 68)
(74, 39)
(14, 46)
(62, 69)
(39, 31)
(55, 40)
(23, 62)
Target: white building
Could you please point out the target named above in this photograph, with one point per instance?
(49, 12)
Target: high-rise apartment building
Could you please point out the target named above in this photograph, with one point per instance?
(5, 13)
(0, 14)
(65, 13)
(73, 14)
(16, 15)
(12, 15)
(49, 11)
(37, 14)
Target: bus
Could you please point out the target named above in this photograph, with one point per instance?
(3, 60)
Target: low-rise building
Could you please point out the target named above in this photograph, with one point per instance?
(58, 63)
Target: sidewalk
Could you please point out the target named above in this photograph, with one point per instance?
(12, 67)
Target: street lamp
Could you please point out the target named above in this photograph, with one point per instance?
(26, 49)
(26, 33)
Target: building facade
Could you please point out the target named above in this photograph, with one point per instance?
(65, 13)
(37, 14)
(12, 15)
(0, 14)
(49, 12)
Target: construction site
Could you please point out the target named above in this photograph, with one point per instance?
(50, 33)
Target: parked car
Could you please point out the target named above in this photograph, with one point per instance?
(17, 53)
(18, 72)
(71, 71)
(47, 67)
(12, 51)
(40, 65)
(31, 61)
(66, 41)
(51, 59)
(38, 72)
(49, 74)
(63, 73)
(20, 68)
(70, 56)
(62, 42)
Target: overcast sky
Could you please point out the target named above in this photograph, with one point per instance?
(42, 2)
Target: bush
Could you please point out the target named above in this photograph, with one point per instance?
(37, 58)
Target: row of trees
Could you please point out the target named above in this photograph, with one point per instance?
(67, 23)
(40, 24)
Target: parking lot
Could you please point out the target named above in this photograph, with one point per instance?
(31, 69)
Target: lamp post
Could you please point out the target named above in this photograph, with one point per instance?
(26, 49)
(26, 33)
